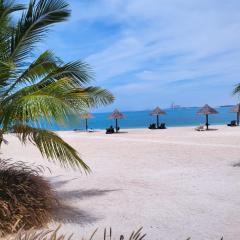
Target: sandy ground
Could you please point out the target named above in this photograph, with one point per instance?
(176, 183)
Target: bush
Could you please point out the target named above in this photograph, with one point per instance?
(26, 199)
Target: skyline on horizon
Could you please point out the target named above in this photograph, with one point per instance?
(155, 52)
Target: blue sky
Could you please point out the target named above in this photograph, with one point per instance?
(154, 52)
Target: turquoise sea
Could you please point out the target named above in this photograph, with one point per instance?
(142, 119)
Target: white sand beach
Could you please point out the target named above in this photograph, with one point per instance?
(176, 183)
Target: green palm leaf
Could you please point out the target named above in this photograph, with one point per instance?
(54, 102)
(78, 71)
(51, 146)
(46, 89)
(41, 67)
(236, 89)
(7, 7)
(34, 25)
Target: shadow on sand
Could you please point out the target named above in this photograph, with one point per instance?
(58, 184)
(68, 214)
(82, 194)
(236, 164)
(64, 213)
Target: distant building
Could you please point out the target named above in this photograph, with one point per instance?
(174, 106)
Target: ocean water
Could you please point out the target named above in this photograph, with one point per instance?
(142, 119)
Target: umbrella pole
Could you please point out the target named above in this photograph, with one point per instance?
(207, 121)
(157, 121)
(86, 121)
(238, 113)
(116, 125)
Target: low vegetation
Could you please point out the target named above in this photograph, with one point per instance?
(54, 235)
(37, 88)
(26, 198)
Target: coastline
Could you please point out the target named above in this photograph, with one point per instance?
(143, 129)
(142, 119)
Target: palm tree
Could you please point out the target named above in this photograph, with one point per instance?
(236, 90)
(33, 89)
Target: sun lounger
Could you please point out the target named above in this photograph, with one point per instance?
(233, 124)
(77, 130)
(110, 130)
(200, 128)
(152, 126)
(162, 126)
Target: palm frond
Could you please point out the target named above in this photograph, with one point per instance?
(36, 107)
(7, 7)
(51, 146)
(236, 89)
(42, 66)
(55, 102)
(47, 89)
(34, 24)
(78, 98)
(90, 97)
(78, 71)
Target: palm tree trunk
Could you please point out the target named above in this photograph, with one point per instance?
(238, 113)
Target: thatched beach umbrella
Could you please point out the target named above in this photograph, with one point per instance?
(156, 112)
(236, 109)
(116, 115)
(206, 110)
(86, 116)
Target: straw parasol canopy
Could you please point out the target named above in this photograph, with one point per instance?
(116, 115)
(236, 109)
(156, 112)
(207, 110)
(86, 116)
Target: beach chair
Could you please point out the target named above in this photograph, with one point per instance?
(77, 130)
(110, 130)
(152, 126)
(200, 128)
(162, 126)
(233, 124)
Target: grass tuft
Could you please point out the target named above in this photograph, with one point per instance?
(26, 199)
(54, 235)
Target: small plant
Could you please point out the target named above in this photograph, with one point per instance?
(53, 235)
(26, 198)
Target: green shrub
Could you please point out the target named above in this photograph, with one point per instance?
(26, 199)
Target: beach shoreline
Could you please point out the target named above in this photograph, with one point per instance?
(122, 129)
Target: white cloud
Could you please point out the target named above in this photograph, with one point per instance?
(162, 43)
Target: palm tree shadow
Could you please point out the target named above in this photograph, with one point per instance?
(59, 184)
(68, 214)
(236, 164)
(65, 213)
(83, 194)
